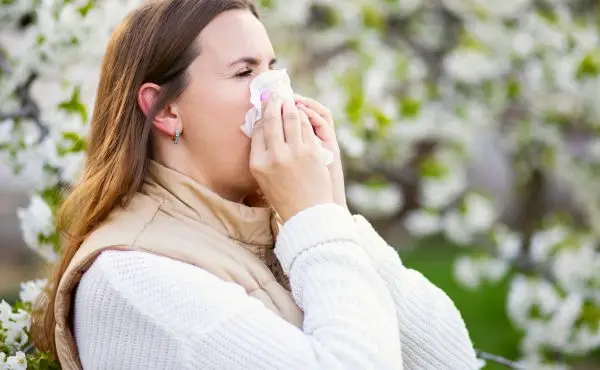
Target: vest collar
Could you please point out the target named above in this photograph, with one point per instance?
(181, 195)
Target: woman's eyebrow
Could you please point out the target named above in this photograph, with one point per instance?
(251, 61)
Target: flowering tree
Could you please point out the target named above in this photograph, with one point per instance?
(414, 85)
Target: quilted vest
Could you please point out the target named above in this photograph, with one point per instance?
(174, 216)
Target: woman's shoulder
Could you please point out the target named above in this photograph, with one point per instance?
(129, 304)
(132, 272)
(136, 292)
(154, 285)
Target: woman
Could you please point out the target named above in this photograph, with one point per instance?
(171, 260)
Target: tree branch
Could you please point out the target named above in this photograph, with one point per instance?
(28, 107)
(498, 359)
(4, 67)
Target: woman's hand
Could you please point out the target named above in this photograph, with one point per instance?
(284, 159)
(322, 122)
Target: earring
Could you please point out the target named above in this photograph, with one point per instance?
(177, 135)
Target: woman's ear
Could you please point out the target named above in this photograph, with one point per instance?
(167, 119)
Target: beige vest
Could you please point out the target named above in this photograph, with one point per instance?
(174, 216)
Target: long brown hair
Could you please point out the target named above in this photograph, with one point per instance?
(155, 43)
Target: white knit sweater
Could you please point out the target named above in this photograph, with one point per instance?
(363, 309)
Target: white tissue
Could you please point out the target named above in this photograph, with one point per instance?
(277, 81)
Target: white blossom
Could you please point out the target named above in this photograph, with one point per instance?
(508, 243)
(375, 201)
(30, 290)
(494, 269)
(472, 271)
(467, 272)
(456, 229)
(36, 218)
(37, 221)
(14, 325)
(576, 268)
(72, 165)
(563, 319)
(349, 141)
(438, 192)
(480, 212)
(5, 311)
(16, 362)
(543, 242)
(407, 7)
(471, 66)
(6, 131)
(493, 8)
(421, 222)
(523, 44)
(535, 361)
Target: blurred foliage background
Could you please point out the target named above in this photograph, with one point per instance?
(469, 130)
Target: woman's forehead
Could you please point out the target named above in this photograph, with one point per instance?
(233, 35)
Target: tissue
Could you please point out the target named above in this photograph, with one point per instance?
(277, 81)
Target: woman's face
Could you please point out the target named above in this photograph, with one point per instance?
(234, 48)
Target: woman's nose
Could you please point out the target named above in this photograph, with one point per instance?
(264, 67)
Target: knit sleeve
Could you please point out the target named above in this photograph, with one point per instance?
(135, 310)
(432, 331)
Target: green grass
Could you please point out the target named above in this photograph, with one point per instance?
(483, 310)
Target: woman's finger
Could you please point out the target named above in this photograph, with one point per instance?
(258, 147)
(273, 123)
(322, 128)
(316, 106)
(308, 134)
(258, 143)
(292, 123)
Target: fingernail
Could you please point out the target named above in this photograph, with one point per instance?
(265, 96)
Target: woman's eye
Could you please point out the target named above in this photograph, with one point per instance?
(244, 74)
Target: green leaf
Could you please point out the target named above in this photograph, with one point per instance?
(371, 17)
(376, 183)
(513, 89)
(488, 89)
(21, 306)
(267, 4)
(77, 143)
(52, 239)
(402, 67)
(74, 105)
(52, 196)
(352, 83)
(323, 16)
(354, 44)
(409, 107)
(469, 41)
(84, 10)
(590, 316)
(383, 121)
(589, 66)
(548, 157)
(430, 167)
(548, 14)
(41, 361)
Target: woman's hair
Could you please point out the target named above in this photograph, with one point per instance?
(156, 44)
